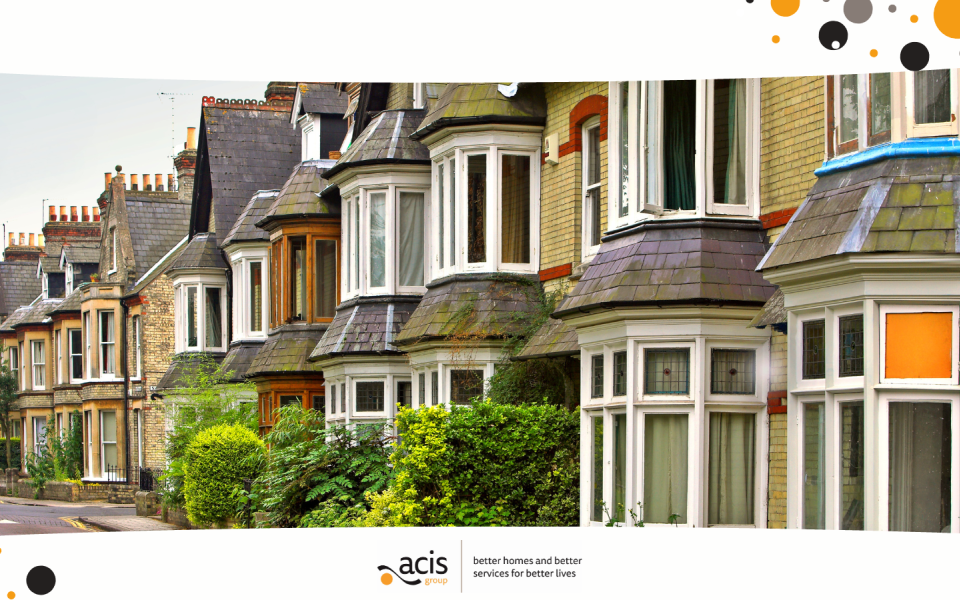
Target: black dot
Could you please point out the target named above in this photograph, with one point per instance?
(914, 56)
(833, 35)
(40, 580)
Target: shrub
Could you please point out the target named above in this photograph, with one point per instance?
(217, 461)
(14, 454)
(491, 464)
(317, 476)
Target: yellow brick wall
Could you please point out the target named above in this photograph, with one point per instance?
(560, 212)
(792, 138)
(778, 362)
(400, 96)
(777, 487)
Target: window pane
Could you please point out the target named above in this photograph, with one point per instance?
(256, 297)
(665, 468)
(515, 209)
(851, 465)
(213, 316)
(369, 396)
(452, 217)
(465, 386)
(596, 473)
(729, 141)
(298, 283)
(733, 371)
(405, 393)
(109, 425)
(932, 96)
(920, 441)
(325, 278)
(319, 403)
(378, 240)
(435, 388)
(76, 354)
(476, 208)
(593, 205)
(356, 244)
(667, 371)
(879, 103)
(851, 346)
(593, 156)
(849, 108)
(813, 354)
(679, 144)
(814, 495)
(651, 148)
(619, 467)
(343, 397)
(624, 149)
(411, 239)
(619, 373)
(347, 248)
(597, 376)
(441, 205)
(423, 389)
(288, 400)
(731, 468)
(107, 355)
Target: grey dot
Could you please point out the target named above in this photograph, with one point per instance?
(857, 11)
(893, 8)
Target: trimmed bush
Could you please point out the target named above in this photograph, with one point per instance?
(14, 453)
(490, 464)
(218, 460)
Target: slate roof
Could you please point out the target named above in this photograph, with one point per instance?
(366, 326)
(773, 313)
(322, 98)
(51, 264)
(184, 366)
(554, 338)
(300, 193)
(239, 358)
(19, 285)
(245, 229)
(287, 351)
(894, 205)
(201, 252)
(157, 224)
(386, 140)
(40, 311)
(471, 103)
(14, 319)
(247, 150)
(85, 253)
(696, 261)
(488, 305)
(69, 304)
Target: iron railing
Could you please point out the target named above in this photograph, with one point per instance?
(148, 479)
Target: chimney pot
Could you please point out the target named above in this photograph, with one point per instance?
(158, 182)
(10, 239)
(96, 214)
(134, 181)
(169, 182)
(23, 239)
(334, 155)
(107, 178)
(40, 240)
(73, 214)
(191, 138)
(85, 214)
(53, 214)
(146, 183)
(31, 239)
(63, 213)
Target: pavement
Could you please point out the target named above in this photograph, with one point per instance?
(19, 516)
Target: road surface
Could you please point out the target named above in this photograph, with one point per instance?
(19, 519)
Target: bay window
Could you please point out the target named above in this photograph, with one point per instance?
(851, 465)
(596, 468)
(201, 326)
(814, 471)
(384, 241)
(39, 364)
(920, 466)
(684, 147)
(108, 359)
(369, 396)
(932, 102)
(249, 292)
(665, 468)
(306, 288)
(731, 469)
(255, 278)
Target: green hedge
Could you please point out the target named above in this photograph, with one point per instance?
(217, 462)
(490, 464)
(14, 453)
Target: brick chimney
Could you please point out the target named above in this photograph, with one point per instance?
(22, 251)
(280, 92)
(186, 165)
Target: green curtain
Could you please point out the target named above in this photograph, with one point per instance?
(679, 135)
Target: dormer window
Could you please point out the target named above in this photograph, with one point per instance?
(486, 206)
(384, 241)
(683, 148)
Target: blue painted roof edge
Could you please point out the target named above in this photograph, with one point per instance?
(910, 148)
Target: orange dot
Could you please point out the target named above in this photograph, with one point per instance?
(385, 579)
(873, 53)
(11, 595)
(776, 39)
(914, 19)
(785, 8)
(946, 15)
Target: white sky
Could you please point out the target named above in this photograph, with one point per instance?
(61, 134)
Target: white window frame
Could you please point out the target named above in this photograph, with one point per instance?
(223, 322)
(419, 95)
(71, 378)
(39, 434)
(139, 412)
(88, 419)
(588, 249)
(394, 240)
(101, 343)
(534, 264)
(932, 129)
(863, 111)
(953, 310)
(185, 303)
(850, 381)
(38, 363)
(58, 348)
(136, 345)
(44, 286)
(15, 366)
(695, 370)
(69, 278)
(366, 241)
(692, 462)
(802, 384)
(103, 444)
(759, 366)
(442, 193)
(638, 93)
(387, 396)
(760, 476)
(87, 345)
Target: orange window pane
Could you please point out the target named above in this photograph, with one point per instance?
(919, 345)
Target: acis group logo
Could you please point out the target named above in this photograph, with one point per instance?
(411, 569)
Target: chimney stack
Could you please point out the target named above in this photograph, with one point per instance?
(96, 214)
(31, 239)
(85, 214)
(53, 214)
(186, 165)
(158, 182)
(170, 182)
(134, 182)
(107, 178)
(73, 214)
(191, 138)
(40, 240)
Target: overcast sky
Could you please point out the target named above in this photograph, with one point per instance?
(61, 134)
